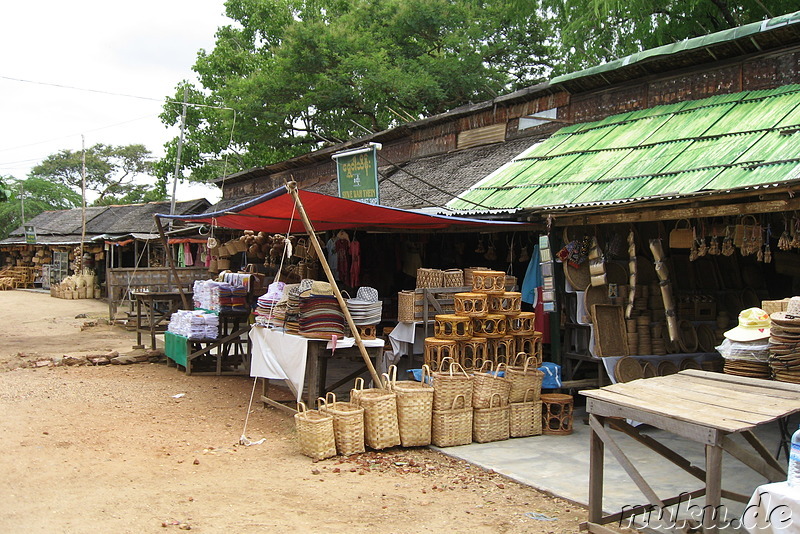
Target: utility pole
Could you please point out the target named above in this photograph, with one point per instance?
(22, 202)
(178, 154)
(83, 201)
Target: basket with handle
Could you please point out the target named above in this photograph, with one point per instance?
(491, 423)
(348, 424)
(525, 418)
(524, 378)
(453, 278)
(429, 277)
(405, 306)
(488, 384)
(314, 433)
(381, 429)
(447, 385)
(414, 407)
(453, 425)
(680, 237)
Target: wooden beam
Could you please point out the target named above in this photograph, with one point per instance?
(171, 262)
(759, 465)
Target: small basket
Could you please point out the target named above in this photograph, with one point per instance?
(524, 379)
(314, 433)
(491, 423)
(235, 246)
(381, 429)
(414, 407)
(453, 278)
(681, 237)
(405, 306)
(348, 424)
(525, 418)
(448, 385)
(429, 277)
(452, 426)
(487, 385)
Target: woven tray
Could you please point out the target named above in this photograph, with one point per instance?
(596, 295)
(706, 340)
(667, 367)
(611, 338)
(628, 369)
(579, 277)
(688, 337)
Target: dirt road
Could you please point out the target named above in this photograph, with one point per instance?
(118, 449)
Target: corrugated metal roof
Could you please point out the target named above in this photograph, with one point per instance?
(714, 144)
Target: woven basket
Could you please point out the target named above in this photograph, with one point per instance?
(380, 415)
(525, 418)
(486, 385)
(429, 277)
(524, 378)
(314, 433)
(449, 385)
(405, 306)
(491, 423)
(452, 426)
(235, 246)
(348, 424)
(453, 278)
(414, 408)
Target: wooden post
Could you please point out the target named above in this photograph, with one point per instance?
(292, 188)
(171, 263)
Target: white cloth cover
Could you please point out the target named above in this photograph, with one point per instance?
(773, 509)
(279, 355)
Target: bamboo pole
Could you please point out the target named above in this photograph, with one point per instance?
(171, 262)
(292, 187)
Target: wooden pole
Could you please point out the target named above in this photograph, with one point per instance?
(292, 187)
(171, 263)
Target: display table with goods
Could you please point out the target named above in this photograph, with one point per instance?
(204, 342)
(153, 311)
(700, 406)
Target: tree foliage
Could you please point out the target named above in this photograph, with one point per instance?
(115, 174)
(39, 195)
(304, 73)
(590, 32)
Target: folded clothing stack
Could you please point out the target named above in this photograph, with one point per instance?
(194, 324)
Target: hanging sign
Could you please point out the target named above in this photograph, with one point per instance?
(357, 173)
(30, 235)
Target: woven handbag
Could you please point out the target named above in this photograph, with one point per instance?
(405, 306)
(452, 426)
(524, 378)
(348, 424)
(314, 433)
(681, 237)
(492, 423)
(381, 429)
(414, 407)
(449, 385)
(525, 418)
(488, 384)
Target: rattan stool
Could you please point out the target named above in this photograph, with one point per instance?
(490, 325)
(556, 413)
(454, 327)
(509, 303)
(530, 344)
(437, 350)
(368, 331)
(470, 304)
(521, 324)
(500, 349)
(489, 282)
(471, 353)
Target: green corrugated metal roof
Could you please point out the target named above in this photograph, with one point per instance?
(714, 144)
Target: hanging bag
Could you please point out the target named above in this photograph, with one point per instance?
(680, 237)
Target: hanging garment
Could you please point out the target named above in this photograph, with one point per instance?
(343, 257)
(187, 255)
(532, 294)
(355, 263)
(333, 258)
(181, 257)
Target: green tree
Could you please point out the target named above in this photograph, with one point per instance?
(305, 73)
(38, 195)
(116, 174)
(590, 32)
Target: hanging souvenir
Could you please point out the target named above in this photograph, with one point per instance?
(480, 249)
(767, 251)
(702, 248)
(491, 252)
(713, 249)
(524, 255)
(785, 240)
(727, 242)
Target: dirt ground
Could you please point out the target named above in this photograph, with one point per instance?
(115, 448)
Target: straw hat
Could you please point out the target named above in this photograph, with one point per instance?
(753, 324)
(318, 288)
(789, 318)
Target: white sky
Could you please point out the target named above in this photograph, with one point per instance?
(143, 48)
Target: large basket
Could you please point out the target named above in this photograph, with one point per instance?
(414, 408)
(491, 423)
(235, 246)
(448, 385)
(453, 278)
(381, 429)
(348, 424)
(525, 418)
(314, 433)
(524, 378)
(429, 277)
(452, 426)
(405, 306)
(486, 385)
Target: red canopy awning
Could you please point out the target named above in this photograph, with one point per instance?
(274, 212)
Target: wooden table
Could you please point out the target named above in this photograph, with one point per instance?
(151, 319)
(697, 405)
(228, 347)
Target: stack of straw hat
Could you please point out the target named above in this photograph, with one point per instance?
(784, 343)
(746, 353)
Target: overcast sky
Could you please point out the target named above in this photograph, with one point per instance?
(141, 48)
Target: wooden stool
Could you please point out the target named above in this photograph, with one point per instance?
(500, 349)
(530, 344)
(368, 331)
(489, 282)
(454, 327)
(556, 414)
(470, 304)
(509, 303)
(437, 350)
(490, 325)
(472, 353)
(521, 324)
